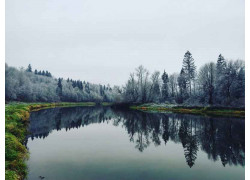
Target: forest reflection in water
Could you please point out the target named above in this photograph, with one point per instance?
(222, 139)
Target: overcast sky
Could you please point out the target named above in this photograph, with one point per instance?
(102, 41)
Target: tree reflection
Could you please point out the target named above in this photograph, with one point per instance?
(189, 141)
(221, 138)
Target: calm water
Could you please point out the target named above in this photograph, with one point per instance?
(96, 143)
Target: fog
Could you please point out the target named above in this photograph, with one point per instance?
(103, 41)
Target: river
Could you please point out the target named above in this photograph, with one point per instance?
(101, 143)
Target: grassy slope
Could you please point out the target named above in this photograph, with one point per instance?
(16, 122)
(213, 111)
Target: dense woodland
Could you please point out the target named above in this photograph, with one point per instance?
(219, 83)
(40, 86)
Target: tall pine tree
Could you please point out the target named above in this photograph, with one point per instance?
(29, 69)
(221, 64)
(220, 74)
(189, 69)
(59, 87)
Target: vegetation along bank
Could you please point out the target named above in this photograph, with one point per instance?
(211, 111)
(16, 122)
(17, 119)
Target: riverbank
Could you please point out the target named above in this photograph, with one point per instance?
(16, 122)
(211, 111)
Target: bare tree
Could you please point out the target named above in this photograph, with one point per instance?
(173, 83)
(154, 92)
(142, 75)
(207, 81)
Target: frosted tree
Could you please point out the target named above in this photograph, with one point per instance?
(173, 83)
(59, 87)
(182, 83)
(207, 81)
(220, 70)
(239, 90)
(142, 76)
(29, 69)
(229, 81)
(220, 84)
(164, 90)
(220, 65)
(155, 87)
(189, 69)
(131, 91)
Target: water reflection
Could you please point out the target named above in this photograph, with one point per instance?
(223, 139)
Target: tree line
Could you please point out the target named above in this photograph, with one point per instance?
(31, 86)
(221, 83)
(42, 73)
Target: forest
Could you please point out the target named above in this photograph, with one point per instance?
(219, 83)
(40, 86)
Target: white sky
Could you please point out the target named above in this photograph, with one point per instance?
(103, 41)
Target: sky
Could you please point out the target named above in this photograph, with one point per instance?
(104, 41)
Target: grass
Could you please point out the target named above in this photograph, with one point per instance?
(106, 104)
(212, 111)
(16, 122)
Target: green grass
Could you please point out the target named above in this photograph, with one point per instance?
(212, 111)
(16, 122)
(106, 104)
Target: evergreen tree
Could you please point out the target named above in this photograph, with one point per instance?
(239, 90)
(36, 71)
(47, 73)
(59, 87)
(101, 90)
(79, 84)
(220, 74)
(221, 64)
(190, 150)
(73, 83)
(166, 134)
(165, 86)
(189, 69)
(29, 69)
(87, 89)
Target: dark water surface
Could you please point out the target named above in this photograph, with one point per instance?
(97, 143)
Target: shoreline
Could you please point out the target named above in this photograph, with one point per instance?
(210, 111)
(17, 120)
(16, 123)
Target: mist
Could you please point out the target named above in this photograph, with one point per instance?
(103, 41)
